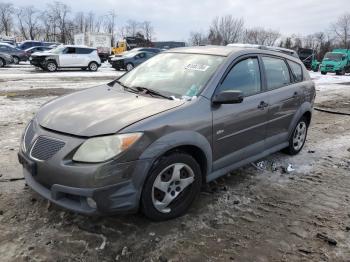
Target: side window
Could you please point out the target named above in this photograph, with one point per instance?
(84, 51)
(277, 72)
(296, 70)
(70, 50)
(244, 76)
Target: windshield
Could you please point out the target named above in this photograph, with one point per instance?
(333, 56)
(57, 50)
(174, 74)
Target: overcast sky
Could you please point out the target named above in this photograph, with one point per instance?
(175, 19)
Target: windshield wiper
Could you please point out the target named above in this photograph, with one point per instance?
(152, 92)
(133, 90)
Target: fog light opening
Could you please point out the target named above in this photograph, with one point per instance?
(91, 203)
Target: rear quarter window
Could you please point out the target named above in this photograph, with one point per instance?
(297, 71)
(277, 72)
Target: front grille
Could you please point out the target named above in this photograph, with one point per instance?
(329, 67)
(45, 147)
(28, 136)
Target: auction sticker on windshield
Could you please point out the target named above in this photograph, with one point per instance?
(197, 67)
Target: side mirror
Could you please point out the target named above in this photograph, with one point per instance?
(228, 97)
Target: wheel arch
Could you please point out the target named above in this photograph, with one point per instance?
(189, 142)
(305, 110)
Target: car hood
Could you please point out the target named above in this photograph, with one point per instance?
(117, 58)
(99, 111)
(44, 53)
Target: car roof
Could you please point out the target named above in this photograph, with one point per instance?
(6, 44)
(228, 50)
(79, 46)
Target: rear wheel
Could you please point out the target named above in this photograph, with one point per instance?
(51, 66)
(341, 72)
(16, 60)
(93, 66)
(298, 138)
(171, 187)
(323, 73)
(2, 62)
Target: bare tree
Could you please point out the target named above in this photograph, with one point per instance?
(6, 17)
(261, 36)
(28, 20)
(227, 29)
(341, 29)
(132, 28)
(110, 23)
(79, 21)
(148, 30)
(198, 38)
(58, 16)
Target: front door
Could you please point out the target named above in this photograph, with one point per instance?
(239, 129)
(69, 57)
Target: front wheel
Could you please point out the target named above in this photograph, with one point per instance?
(51, 66)
(2, 62)
(129, 67)
(298, 137)
(16, 60)
(323, 73)
(93, 66)
(171, 187)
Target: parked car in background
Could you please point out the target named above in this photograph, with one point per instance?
(337, 61)
(139, 49)
(5, 59)
(149, 140)
(35, 49)
(130, 60)
(31, 43)
(67, 56)
(17, 54)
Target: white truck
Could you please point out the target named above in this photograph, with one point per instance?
(100, 41)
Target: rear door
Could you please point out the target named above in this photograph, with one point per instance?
(284, 93)
(83, 57)
(239, 129)
(69, 57)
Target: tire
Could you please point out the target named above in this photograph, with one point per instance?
(179, 189)
(298, 137)
(129, 67)
(323, 73)
(93, 66)
(16, 60)
(51, 66)
(2, 62)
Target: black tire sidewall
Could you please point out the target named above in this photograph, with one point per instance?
(191, 192)
(3, 63)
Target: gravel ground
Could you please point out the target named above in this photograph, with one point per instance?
(252, 214)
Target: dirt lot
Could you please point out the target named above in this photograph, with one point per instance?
(252, 214)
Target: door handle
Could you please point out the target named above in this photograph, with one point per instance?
(262, 105)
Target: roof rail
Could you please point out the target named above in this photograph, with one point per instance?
(270, 48)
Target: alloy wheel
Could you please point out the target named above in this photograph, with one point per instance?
(299, 136)
(169, 184)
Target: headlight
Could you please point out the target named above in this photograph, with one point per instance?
(99, 149)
